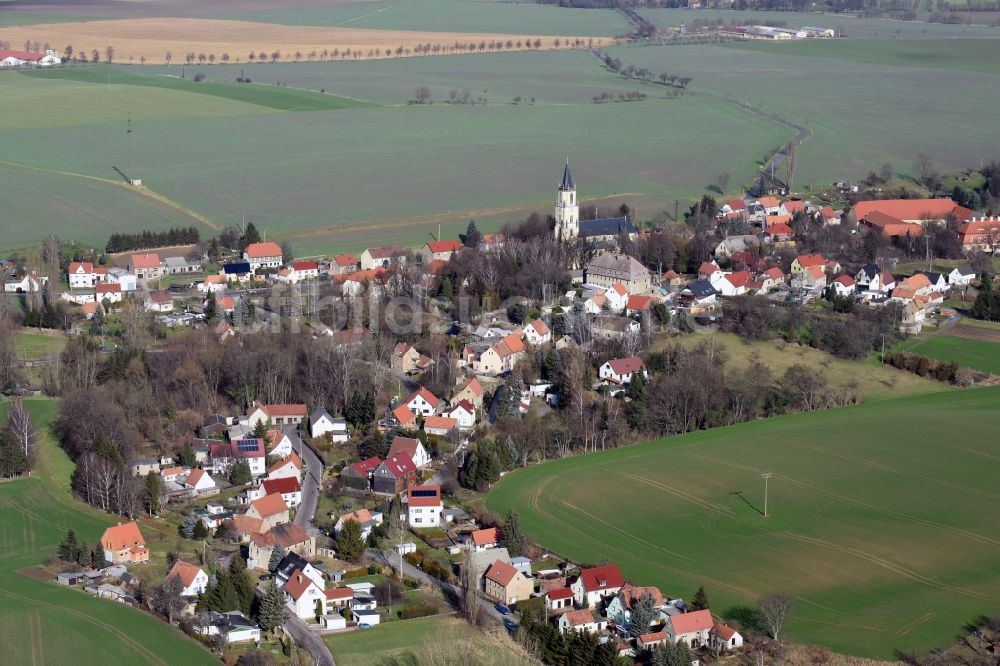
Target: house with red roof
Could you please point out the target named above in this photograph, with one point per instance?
(596, 583)
(288, 536)
(779, 233)
(439, 425)
(915, 211)
(289, 466)
(498, 358)
(124, 544)
(708, 270)
(646, 642)
(813, 277)
(723, 638)
(731, 284)
(464, 414)
(537, 332)
(638, 304)
(559, 599)
(690, 628)
(411, 447)
(393, 475)
(145, 266)
(110, 291)
(484, 539)
(424, 506)
(193, 579)
(616, 296)
(404, 358)
(804, 261)
(199, 481)
(843, 285)
(343, 264)
(359, 475)
(472, 392)
(263, 255)
(398, 417)
(580, 621)
(303, 596)
(81, 275)
(890, 226)
(270, 509)
(619, 609)
(827, 216)
(382, 257)
(422, 402)
(285, 414)
(439, 250)
(620, 370)
(981, 233)
(305, 270)
(10, 59)
(506, 585)
(288, 487)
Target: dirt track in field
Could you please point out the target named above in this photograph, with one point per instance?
(151, 39)
(975, 333)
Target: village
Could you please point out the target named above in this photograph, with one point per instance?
(369, 514)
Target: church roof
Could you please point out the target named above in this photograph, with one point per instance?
(608, 227)
(567, 181)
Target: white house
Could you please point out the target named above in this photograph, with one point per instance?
(961, 276)
(194, 580)
(617, 297)
(233, 626)
(581, 621)
(303, 596)
(279, 443)
(413, 448)
(843, 285)
(423, 506)
(596, 583)
(464, 413)
(288, 487)
(322, 424)
(289, 467)
(723, 638)
(368, 520)
(199, 481)
(691, 628)
(14, 59)
(620, 370)
(263, 255)
(81, 275)
(422, 401)
(537, 332)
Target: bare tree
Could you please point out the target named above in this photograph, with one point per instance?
(422, 94)
(21, 427)
(774, 610)
(470, 588)
(109, 53)
(723, 181)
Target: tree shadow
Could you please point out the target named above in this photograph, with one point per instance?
(128, 181)
(746, 617)
(739, 493)
(714, 188)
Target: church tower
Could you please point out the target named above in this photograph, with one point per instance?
(567, 211)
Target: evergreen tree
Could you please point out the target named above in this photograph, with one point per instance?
(211, 310)
(242, 584)
(188, 458)
(251, 235)
(512, 537)
(83, 554)
(277, 554)
(240, 474)
(472, 237)
(200, 531)
(152, 493)
(272, 612)
(69, 548)
(221, 532)
(350, 546)
(700, 601)
(260, 429)
(361, 409)
(228, 599)
(643, 613)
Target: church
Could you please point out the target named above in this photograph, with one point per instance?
(569, 225)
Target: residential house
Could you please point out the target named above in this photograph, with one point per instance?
(732, 284)
(411, 448)
(398, 417)
(293, 414)
(912, 211)
(638, 305)
(359, 475)
(464, 414)
(506, 585)
(690, 628)
(382, 257)
(253, 452)
(559, 599)
(393, 475)
(804, 261)
(339, 597)
(771, 279)
(304, 597)
(611, 268)
(343, 264)
(123, 544)
(616, 297)
(937, 281)
(981, 233)
(424, 506)
(537, 332)
(728, 246)
(581, 621)
(238, 271)
(290, 466)
(143, 466)
(199, 481)
(596, 583)
(779, 234)
(700, 296)
(263, 255)
(422, 402)
(173, 473)
(17, 59)
(289, 536)
(440, 250)
(439, 425)
(81, 275)
(843, 285)
(111, 292)
(179, 265)
(496, 359)
(145, 266)
(278, 443)
(287, 487)
(484, 539)
(214, 284)
(619, 609)
(709, 270)
(159, 301)
(961, 276)
(322, 424)
(612, 327)
(723, 638)
(651, 640)
(270, 509)
(193, 579)
(305, 270)
(827, 215)
(233, 626)
(471, 392)
(368, 520)
(621, 370)
(404, 358)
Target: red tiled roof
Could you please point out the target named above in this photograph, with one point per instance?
(122, 536)
(501, 573)
(434, 500)
(541, 328)
(269, 505)
(365, 466)
(292, 458)
(444, 246)
(777, 219)
(262, 250)
(577, 617)
(305, 265)
(403, 446)
(816, 271)
(845, 280)
(624, 366)
(194, 477)
(285, 410)
(431, 399)
(602, 578)
(686, 623)
(282, 486)
(654, 637)
(707, 268)
(339, 593)
(399, 466)
(738, 279)
(145, 260)
(85, 267)
(344, 260)
(736, 204)
(184, 571)
(619, 288)
(631, 593)
(908, 209)
(561, 593)
(243, 524)
(639, 303)
(21, 55)
(780, 229)
(404, 415)
(807, 260)
(297, 584)
(103, 288)
(486, 536)
(440, 422)
(724, 631)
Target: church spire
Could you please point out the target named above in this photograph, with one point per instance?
(567, 181)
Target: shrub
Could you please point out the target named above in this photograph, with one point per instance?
(417, 610)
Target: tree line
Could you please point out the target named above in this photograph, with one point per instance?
(146, 239)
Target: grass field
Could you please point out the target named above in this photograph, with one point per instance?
(981, 355)
(38, 345)
(876, 523)
(42, 623)
(874, 380)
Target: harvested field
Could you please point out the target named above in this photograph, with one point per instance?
(974, 332)
(149, 40)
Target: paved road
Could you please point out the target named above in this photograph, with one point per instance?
(451, 592)
(310, 488)
(314, 643)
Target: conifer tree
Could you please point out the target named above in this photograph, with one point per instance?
(273, 612)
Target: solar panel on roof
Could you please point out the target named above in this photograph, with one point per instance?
(424, 493)
(247, 445)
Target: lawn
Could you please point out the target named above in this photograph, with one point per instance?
(874, 379)
(409, 641)
(45, 623)
(967, 352)
(38, 345)
(876, 524)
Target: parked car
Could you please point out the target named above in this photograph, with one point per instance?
(503, 610)
(510, 624)
(364, 625)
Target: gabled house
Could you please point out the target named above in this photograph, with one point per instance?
(145, 266)
(81, 275)
(559, 599)
(422, 402)
(304, 597)
(290, 466)
(619, 609)
(812, 277)
(159, 301)
(123, 544)
(471, 392)
(440, 250)
(321, 424)
(111, 292)
(424, 506)
(253, 452)
(199, 481)
(411, 448)
(638, 304)
(581, 621)
(393, 475)
(287, 487)
(193, 579)
(612, 268)
(263, 255)
(367, 520)
(843, 285)
(779, 234)
(505, 584)
(937, 281)
(596, 583)
(612, 327)
(404, 358)
(464, 414)
(731, 284)
(233, 627)
(439, 425)
(359, 475)
(616, 297)
(804, 261)
(537, 332)
(278, 443)
(961, 276)
(343, 264)
(270, 509)
(981, 233)
(484, 539)
(691, 628)
(382, 257)
(289, 536)
(699, 295)
(771, 279)
(723, 638)
(621, 370)
(290, 414)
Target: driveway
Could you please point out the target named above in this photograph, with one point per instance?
(310, 488)
(304, 636)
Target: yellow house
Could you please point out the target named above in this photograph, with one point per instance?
(506, 584)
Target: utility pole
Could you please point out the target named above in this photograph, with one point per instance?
(128, 147)
(765, 476)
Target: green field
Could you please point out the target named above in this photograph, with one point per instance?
(38, 345)
(876, 519)
(969, 353)
(447, 16)
(43, 623)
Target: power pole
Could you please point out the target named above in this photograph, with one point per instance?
(128, 147)
(765, 476)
